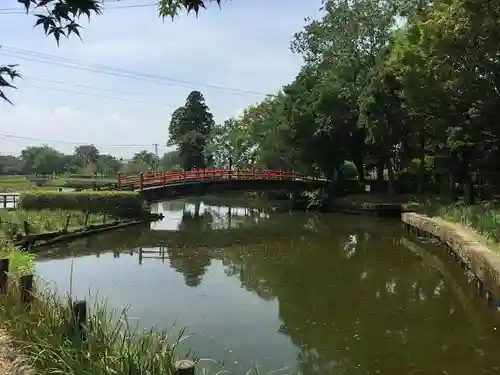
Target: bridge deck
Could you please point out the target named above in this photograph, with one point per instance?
(148, 181)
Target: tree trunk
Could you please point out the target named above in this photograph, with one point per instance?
(380, 176)
(469, 193)
(390, 175)
(421, 168)
(360, 169)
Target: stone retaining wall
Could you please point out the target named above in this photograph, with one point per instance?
(476, 255)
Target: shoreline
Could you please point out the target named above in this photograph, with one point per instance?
(372, 205)
(29, 242)
(469, 248)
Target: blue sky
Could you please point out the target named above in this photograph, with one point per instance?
(244, 46)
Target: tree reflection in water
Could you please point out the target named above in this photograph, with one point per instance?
(352, 303)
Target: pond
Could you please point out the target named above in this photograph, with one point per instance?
(287, 293)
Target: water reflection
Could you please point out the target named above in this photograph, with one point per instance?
(310, 293)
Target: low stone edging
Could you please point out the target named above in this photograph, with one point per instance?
(483, 262)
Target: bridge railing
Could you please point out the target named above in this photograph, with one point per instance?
(144, 180)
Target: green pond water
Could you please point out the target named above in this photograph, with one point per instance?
(287, 293)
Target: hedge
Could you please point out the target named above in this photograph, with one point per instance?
(116, 203)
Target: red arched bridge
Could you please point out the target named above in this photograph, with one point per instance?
(200, 182)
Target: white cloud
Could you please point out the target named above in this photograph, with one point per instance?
(244, 46)
(51, 125)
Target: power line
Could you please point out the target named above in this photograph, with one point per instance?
(131, 6)
(53, 141)
(94, 95)
(43, 58)
(95, 88)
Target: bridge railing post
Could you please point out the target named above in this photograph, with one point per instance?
(119, 180)
(281, 174)
(141, 180)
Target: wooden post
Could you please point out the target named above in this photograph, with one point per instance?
(140, 255)
(141, 180)
(4, 269)
(68, 218)
(87, 214)
(26, 285)
(4, 201)
(26, 227)
(80, 318)
(118, 180)
(184, 367)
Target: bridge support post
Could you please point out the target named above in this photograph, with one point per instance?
(141, 180)
(119, 180)
(297, 200)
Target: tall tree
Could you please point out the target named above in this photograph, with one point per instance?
(190, 128)
(85, 154)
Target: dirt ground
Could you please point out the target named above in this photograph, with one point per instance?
(10, 361)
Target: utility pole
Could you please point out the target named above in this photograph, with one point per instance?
(157, 161)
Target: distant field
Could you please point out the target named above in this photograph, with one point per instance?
(10, 184)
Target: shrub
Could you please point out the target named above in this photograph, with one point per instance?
(116, 203)
(349, 170)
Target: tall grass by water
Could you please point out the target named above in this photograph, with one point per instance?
(483, 217)
(21, 263)
(45, 336)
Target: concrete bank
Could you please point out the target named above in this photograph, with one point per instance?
(467, 247)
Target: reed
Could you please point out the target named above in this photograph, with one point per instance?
(483, 217)
(45, 336)
(21, 263)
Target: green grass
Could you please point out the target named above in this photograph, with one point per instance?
(483, 218)
(45, 337)
(12, 222)
(20, 262)
(18, 184)
(11, 185)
